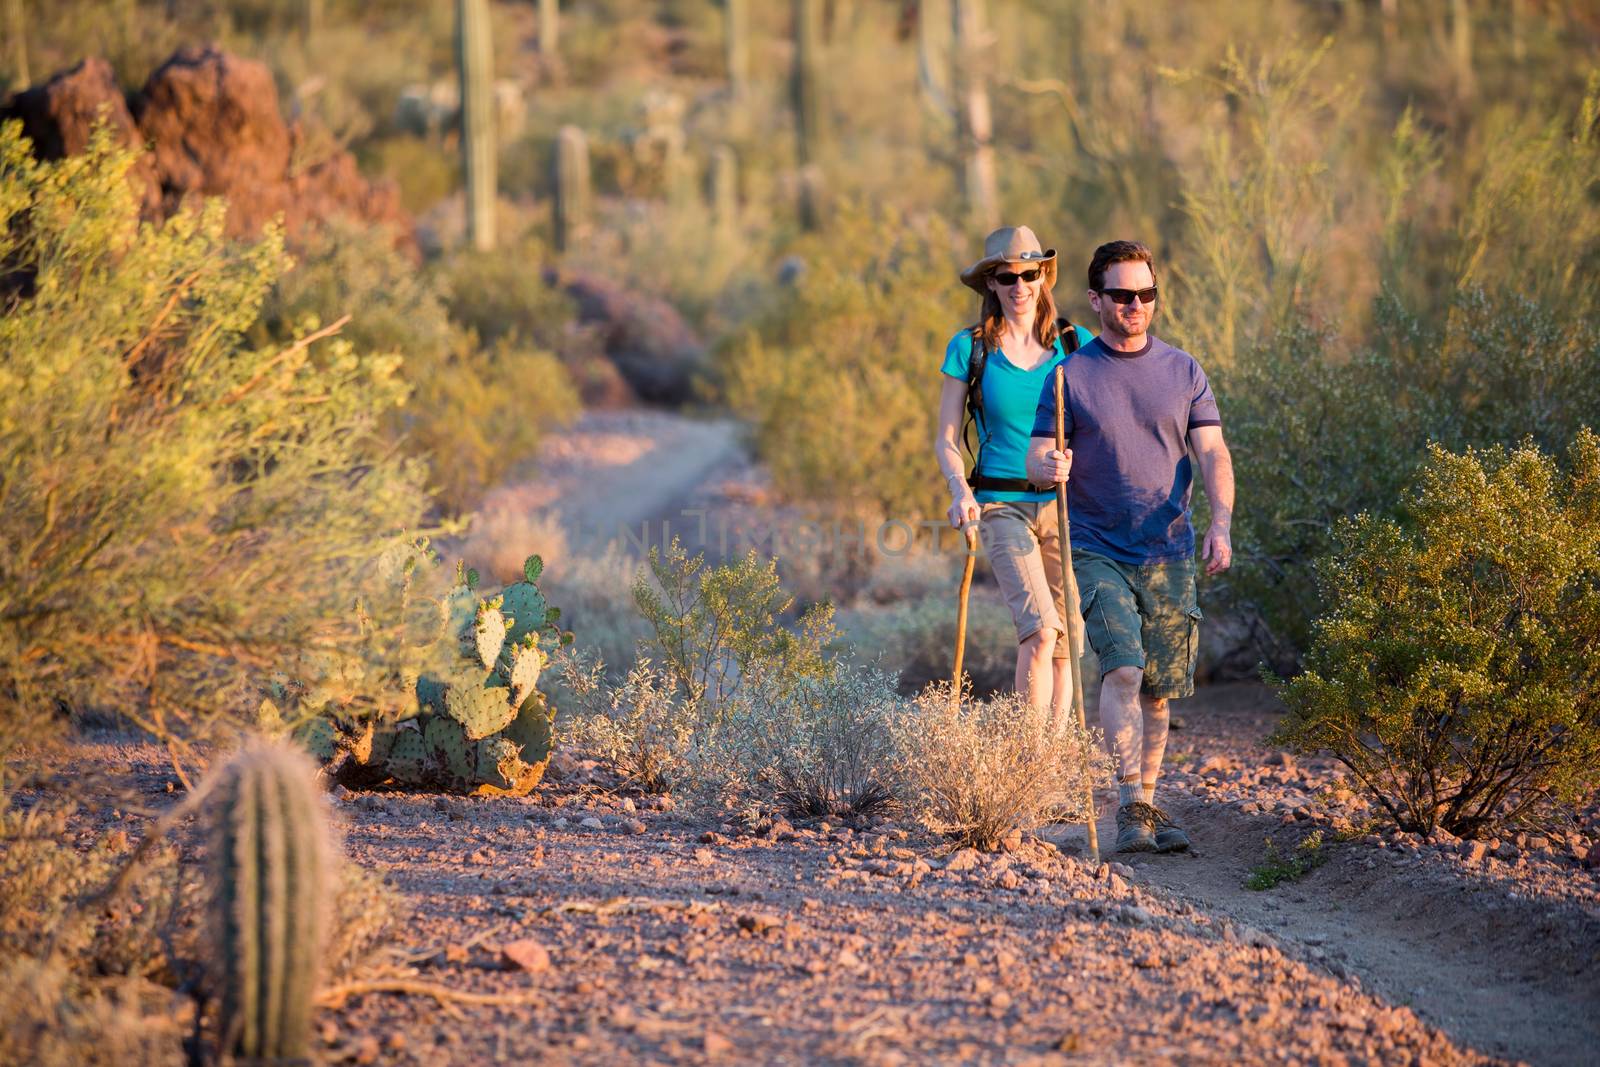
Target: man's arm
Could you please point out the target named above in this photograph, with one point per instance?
(1216, 470)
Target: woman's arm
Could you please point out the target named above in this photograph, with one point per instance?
(947, 451)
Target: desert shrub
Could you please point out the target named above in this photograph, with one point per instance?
(479, 411)
(916, 639)
(424, 172)
(1455, 672)
(978, 770)
(183, 506)
(50, 1018)
(643, 725)
(714, 627)
(477, 407)
(839, 375)
(503, 294)
(820, 746)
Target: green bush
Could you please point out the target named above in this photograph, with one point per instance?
(714, 628)
(478, 407)
(839, 375)
(1455, 673)
(181, 507)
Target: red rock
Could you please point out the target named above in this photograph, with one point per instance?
(214, 128)
(1474, 851)
(526, 955)
(964, 859)
(714, 1044)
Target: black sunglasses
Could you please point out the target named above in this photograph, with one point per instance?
(1125, 296)
(1006, 277)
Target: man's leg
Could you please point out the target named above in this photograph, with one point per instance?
(1122, 718)
(1061, 694)
(1157, 719)
(1171, 623)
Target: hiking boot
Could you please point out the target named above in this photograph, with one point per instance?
(1169, 835)
(1136, 828)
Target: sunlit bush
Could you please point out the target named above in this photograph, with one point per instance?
(182, 507)
(1455, 672)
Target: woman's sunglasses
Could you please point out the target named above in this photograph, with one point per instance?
(1125, 296)
(1007, 277)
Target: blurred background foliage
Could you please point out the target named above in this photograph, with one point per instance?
(1377, 223)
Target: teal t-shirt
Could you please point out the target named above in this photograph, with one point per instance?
(1010, 399)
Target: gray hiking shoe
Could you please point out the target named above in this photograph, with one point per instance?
(1169, 835)
(1136, 828)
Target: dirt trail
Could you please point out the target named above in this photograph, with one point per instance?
(614, 475)
(1509, 972)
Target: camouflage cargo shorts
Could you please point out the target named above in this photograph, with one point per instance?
(1141, 615)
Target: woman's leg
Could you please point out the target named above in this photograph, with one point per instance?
(1035, 676)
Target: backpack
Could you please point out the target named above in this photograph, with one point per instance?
(974, 423)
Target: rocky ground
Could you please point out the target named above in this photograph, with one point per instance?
(628, 930)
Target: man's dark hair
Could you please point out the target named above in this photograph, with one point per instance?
(1118, 252)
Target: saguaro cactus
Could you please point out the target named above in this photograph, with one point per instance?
(572, 186)
(271, 875)
(549, 27)
(16, 29)
(725, 191)
(475, 61)
(806, 94)
(736, 43)
(976, 122)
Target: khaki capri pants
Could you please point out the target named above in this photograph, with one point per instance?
(1023, 542)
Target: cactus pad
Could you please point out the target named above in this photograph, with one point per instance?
(408, 757)
(532, 730)
(480, 711)
(489, 633)
(532, 567)
(319, 737)
(526, 607)
(527, 661)
(450, 753)
(499, 764)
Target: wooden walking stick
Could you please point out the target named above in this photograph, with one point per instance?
(961, 609)
(1069, 585)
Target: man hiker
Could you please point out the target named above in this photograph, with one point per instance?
(1135, 408)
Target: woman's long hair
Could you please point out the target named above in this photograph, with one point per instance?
(993, 320)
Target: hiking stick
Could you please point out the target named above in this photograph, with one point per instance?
(1069, 585)
(961, 610)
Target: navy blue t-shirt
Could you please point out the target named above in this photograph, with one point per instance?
(1128, 417)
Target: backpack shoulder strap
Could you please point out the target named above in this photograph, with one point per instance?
(976, 363)
(1069, 335)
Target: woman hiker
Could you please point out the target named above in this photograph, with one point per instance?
(1001, 365)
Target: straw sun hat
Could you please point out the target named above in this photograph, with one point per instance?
(1010, 244)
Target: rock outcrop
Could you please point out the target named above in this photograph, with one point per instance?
(211, 126)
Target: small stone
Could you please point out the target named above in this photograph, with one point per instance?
(1008, 879)
(964, 859)
(1592, 860)
(628, 805)
(1538, 841)
(1012, 841)
(1122, 869)
(1134, 915)
(455, 954)
(704, 856)
(1507, 851)
(715, 1044)
(634, 826)
(848, 960)
(759, 923)
(1000, 1000)
(592, 823)
(395, 1042)
(526, 955)
(366, 1050)
(1474, 851)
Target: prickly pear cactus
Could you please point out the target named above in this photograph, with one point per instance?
(461, 711)
(270, 876)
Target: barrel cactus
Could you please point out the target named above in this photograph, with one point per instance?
(270, 875)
